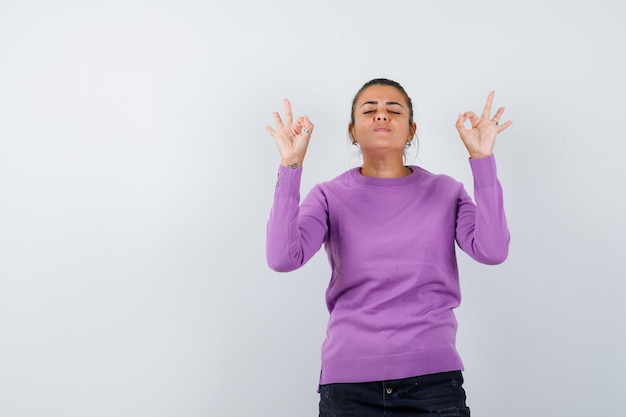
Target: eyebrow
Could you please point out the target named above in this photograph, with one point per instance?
(388, 103)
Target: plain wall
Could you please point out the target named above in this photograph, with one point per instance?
(136, 179)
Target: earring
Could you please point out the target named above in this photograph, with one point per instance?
(408, 143)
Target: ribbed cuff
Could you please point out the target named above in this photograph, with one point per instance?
(484, 171)
(287, 180)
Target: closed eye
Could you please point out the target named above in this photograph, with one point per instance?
(390, 111)
(374, 111)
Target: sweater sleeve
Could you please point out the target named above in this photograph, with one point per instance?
(294, 233)
(481, 229)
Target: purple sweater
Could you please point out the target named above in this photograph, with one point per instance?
(391, 247)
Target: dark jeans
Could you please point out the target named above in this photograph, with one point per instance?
(439, 394)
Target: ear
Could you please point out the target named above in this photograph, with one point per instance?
(413, 130)
(351, 133)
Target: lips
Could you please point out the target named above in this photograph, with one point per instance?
(381, 129)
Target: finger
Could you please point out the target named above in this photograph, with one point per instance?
(471, 116)
(307, 126)
(307, 122)
(496, 117)
(504, 125)
(288, 113)
(296, 128)
(278, 120)
(487, 109)
(460, 125)
(270, 131)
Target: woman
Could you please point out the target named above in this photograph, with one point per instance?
(389, 231)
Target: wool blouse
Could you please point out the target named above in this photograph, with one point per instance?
(391, 244)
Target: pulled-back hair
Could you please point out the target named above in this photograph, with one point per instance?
(382, 81)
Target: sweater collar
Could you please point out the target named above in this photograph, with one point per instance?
(355, 173)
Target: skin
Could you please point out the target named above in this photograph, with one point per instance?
(480, 139)
(382, 129)
(292, 138)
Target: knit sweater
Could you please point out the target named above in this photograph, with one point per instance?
(394, 278)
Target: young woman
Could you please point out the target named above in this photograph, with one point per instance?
(389, 231)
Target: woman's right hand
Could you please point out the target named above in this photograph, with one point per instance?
(292, 139)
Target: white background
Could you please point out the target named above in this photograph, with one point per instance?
(136, 179)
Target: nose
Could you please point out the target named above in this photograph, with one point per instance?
(381, 116)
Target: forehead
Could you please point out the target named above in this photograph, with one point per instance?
(381, 94)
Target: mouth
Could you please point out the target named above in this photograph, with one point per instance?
(381, 129)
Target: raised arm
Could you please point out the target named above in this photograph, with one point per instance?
(482, 230)
(293, 237)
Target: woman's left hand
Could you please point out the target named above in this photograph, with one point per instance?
(481, 138)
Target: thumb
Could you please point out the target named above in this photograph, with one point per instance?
(460, 126)
(307, 123)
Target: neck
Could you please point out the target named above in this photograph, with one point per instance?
(381, 168)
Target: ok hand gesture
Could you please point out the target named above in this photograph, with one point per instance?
(481, 138)
(292, 139)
